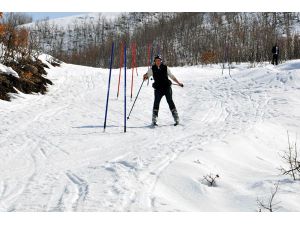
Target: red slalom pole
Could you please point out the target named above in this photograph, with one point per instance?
(132, 68)
(121, 63)
(149, 56)
(135, 59)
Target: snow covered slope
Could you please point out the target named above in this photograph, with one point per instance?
(64, 22)
(54, 155)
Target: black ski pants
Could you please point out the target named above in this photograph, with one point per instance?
(158, 94)
(275, 59)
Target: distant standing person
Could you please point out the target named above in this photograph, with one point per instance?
(275, 52)
(162, 87)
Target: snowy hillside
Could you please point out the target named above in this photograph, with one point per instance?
(74, 34)
(93, 18)
(64, 22)
(55, 156)
(232, 37)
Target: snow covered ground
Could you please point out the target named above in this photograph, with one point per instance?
(54, 155)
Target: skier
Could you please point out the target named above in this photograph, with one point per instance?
(162, 87)
(275, 51)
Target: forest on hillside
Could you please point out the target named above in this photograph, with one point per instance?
(181, 38)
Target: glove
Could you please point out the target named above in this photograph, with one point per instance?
(181, 85)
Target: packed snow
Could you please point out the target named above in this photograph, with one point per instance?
(55, 155)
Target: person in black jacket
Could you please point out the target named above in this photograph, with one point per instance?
(275, 52)
(162, 87)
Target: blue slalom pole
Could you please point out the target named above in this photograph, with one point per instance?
(125, 64)
(110, 68)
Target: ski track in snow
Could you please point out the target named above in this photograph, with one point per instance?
(56, 157)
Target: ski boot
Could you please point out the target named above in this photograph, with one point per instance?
(175, 116)
(154, 117)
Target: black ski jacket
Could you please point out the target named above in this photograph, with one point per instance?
(160, 76)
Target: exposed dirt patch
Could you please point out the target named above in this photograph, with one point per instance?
(31, 78)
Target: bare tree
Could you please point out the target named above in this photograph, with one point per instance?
(182, 38)
(290, 157)
(16, 18)
(270, 205)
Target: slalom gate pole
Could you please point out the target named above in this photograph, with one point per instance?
(148, 59)
(158, 49)
(109, 79)
(121, 63)
(132, 68)
(125, 63)
(148, 54)
(224, 60)
(135, 99)
(228, 58)
(152, 53)
(135, 65)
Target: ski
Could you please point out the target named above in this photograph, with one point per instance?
(153, 125)
(164, 125)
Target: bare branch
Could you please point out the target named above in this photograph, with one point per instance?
(290, 157)
(211, 179)
(270, 205)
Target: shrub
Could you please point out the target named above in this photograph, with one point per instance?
(211, 179)
(290, 157)
(208, 57)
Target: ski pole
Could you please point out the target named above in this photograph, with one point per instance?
(135, 99)
(107, 98)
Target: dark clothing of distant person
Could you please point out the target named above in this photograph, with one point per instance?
(275, 52)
